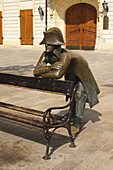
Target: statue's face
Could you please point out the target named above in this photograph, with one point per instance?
(49, 48)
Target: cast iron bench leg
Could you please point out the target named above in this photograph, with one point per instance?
(47, 135)
(72, 145)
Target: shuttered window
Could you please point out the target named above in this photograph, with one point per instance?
(26, 27)
(106, 23)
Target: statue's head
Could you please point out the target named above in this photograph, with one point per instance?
(53, 37)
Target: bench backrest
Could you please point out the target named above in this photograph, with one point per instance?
(43, 84)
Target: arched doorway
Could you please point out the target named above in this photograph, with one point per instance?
(81, 26)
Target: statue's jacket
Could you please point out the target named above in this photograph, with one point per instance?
(69, 62)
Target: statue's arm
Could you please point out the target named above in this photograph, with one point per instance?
(41, 66)
(57, 70)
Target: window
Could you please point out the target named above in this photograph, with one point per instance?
(106, 23)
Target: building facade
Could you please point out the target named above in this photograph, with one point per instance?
(84, 23)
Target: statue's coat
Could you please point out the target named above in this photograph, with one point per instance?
(70, 62)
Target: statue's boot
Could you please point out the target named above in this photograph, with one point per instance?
(76, 126)
(80, 100)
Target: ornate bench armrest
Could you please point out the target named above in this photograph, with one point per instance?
(49, 117)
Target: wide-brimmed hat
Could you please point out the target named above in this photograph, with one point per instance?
(53, 37)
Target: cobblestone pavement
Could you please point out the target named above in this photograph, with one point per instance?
(22, 146)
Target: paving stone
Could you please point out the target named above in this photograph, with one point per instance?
(94, 161)
(23, 146)
(107, 165)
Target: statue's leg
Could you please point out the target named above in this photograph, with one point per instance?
(71, 77)
(73, 112)
(80, 101)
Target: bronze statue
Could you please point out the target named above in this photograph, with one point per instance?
(56, 62)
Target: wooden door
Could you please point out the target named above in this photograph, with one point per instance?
(26, 27)
(1, 33)
(81, 27)
(89, 27)
(73, 24)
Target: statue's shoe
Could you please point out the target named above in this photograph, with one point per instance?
(75, 129)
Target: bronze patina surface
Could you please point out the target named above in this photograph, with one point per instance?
(56, 62)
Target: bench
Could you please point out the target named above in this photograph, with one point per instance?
(33, 117)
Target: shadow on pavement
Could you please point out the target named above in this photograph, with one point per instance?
(17, 69)
(90, 114)
(36, 134)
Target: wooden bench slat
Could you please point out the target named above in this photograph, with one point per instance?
(28, 117)
(44, 84)
(21, 114)
(21, 117)
(21, 109)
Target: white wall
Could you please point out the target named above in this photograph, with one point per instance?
(10, 21)
(107, 35)
(39, 22)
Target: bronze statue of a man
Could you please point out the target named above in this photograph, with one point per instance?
(56, 62)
